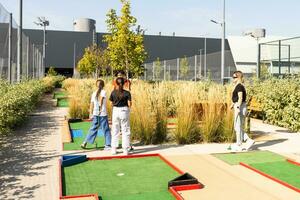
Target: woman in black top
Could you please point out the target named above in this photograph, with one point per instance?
(121, 102)
(239, 96)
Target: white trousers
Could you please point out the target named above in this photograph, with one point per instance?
(120, 119)
(239, 119)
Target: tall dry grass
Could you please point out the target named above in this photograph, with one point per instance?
(149, 113)
(185, 98)
(213, 109)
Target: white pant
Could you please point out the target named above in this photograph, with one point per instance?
(239, 119)
(120, 119)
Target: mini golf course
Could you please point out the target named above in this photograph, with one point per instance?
(136, 177)
(268, 164)
(79, 130)
(61, 98)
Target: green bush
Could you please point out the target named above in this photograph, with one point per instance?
(280, 101)
(17, 102)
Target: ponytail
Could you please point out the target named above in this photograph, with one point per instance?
(100, 86)
(120, 83)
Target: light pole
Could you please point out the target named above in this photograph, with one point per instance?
(257, 34)
(223, 42)
(43, 22)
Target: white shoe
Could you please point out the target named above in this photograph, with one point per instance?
(113, 151)
(125, 152)
(236, 148)
(249, 144)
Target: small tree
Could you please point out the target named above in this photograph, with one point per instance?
(93, 61)
(157, 69)
(51, 72)
(125, 48)
(184, 67)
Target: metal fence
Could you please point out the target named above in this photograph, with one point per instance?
(194, 68)
(32, 62)
(281, 56)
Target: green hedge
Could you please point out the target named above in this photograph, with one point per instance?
(17, 102)
(280, 101)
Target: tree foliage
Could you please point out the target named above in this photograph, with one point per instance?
(157, 69)
(125, 48)
(184, 67)
(93, 61)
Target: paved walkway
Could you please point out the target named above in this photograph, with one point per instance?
(29, 161)
(29, 156)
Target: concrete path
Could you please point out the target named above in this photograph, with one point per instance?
(29, 156)
(29, 161)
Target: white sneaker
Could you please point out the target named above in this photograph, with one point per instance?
(236, 148)
(107, 148)
(249, 144)
(113, 151)
(125, 152)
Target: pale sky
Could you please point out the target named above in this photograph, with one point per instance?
(185, 18)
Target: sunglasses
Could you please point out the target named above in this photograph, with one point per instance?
(234, 77)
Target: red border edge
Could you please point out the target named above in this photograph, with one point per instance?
(293, 162)
(173, 190)
(271, 177)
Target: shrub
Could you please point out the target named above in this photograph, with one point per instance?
(279, 99)
(17, 102)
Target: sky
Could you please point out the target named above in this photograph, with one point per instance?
(189, 18)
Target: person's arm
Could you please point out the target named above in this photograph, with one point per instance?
(129, 100)
(240, 100)
(129, 104)
(91, 110)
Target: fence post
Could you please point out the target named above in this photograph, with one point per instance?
(177, 69)
(27, 59)
(145, 72)
(9, 49)
(165, 63)
(153, 76)
(196, 68)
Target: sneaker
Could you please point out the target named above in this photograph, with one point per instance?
(107, 148)
(249, 144)
(83, 145)
(236, 148)
(113, 151)
(125, 152)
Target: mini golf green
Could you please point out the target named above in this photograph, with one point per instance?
(62, 102)
(77, 141)
(249, 157)
(281, 170)
(60, 94)
(268, 164)
(120, 179)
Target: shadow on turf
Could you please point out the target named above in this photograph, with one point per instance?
(22, 152)
(267, 143)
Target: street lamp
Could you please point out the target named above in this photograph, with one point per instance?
(223, 42)
(43, 22)
(257, 34)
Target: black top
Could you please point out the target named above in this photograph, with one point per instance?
(120, 99)
(237, 89)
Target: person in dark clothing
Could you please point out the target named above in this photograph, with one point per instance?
(239, 96)
(121, 102)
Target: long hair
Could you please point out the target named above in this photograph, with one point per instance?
(100, 86)
(120, 83)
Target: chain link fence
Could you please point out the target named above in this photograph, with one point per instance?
(32, 62)
(281, 56)
(194, 68)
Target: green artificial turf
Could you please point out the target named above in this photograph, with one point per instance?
(249, 157)
(60, 94)
(142, 179)
(77, 141)
(281, 170)
(62, 102)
